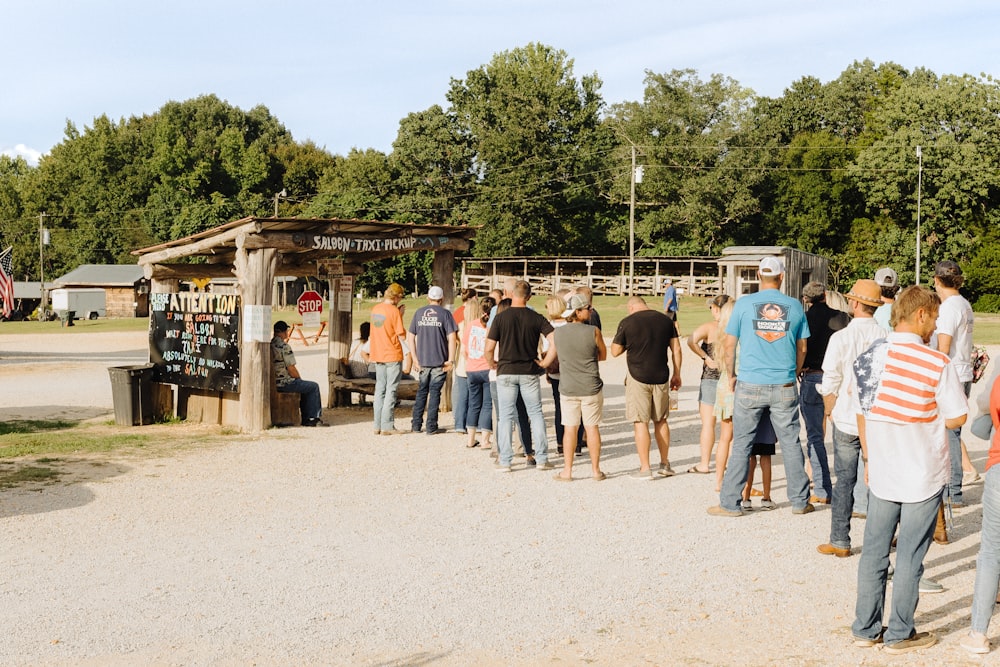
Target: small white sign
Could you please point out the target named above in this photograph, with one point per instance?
(345, 294)
(257, 324)
(311, 320)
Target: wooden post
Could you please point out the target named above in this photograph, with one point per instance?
(341, 329)
(443, 272)
(255, 275)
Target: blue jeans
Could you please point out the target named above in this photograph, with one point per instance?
(916, 527)
(480, 412)
(529, 389)
(988, 563)
(955, 453)
(428, 396)
(811, 406)
(310, 402)
(846, 455)
(461, 401)
(523, 425)
(387, 376)
(749, 403)
(861, 490)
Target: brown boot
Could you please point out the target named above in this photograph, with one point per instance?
(941, 529)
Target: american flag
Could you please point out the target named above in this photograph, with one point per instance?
(7, 281)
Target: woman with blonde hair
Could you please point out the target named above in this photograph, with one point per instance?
(479, 416)
(702, 343)
(723, 396)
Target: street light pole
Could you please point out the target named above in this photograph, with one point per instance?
(920, 178)
(283, 193)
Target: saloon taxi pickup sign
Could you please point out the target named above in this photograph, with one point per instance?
(310, 306)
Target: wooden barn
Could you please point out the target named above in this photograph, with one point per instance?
(126, 288)
(738, 266)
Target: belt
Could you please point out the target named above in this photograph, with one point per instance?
(789, 384)
(812, 372)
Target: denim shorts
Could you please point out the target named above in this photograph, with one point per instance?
(706, 391)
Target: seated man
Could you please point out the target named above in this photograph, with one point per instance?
(287, 378)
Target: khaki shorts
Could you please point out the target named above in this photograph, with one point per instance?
(589, 408)
(646, 402)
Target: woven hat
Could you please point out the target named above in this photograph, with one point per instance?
(867, 292)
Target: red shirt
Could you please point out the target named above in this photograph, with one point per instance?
(994, 454)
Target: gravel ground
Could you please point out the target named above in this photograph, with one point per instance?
(326, 546)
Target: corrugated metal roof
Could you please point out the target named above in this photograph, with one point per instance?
(101, 275)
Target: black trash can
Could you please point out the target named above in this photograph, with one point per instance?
(132, 390)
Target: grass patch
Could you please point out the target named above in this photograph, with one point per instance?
(21, 426)
(28, 475)
(50, 439)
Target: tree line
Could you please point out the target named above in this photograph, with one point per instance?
(532, 153)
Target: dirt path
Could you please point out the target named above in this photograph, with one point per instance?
(326, 546)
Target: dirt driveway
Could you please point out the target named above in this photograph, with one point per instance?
(329, 546)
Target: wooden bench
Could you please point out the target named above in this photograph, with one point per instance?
(284, 406)
(342, 389)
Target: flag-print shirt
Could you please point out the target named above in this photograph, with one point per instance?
(906, 391)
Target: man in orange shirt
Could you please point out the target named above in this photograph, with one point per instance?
(387, 355)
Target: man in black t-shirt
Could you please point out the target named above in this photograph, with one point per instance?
(823, 322)
(647, 335)
(517, 332)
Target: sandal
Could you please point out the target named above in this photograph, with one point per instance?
(600, 477)
(559, 478)
(695, 470)
(473, 445)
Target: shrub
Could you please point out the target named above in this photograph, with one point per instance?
(987, 303)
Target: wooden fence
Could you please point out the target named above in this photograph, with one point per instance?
(698, 276)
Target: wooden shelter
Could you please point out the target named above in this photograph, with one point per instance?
(255, 250)
(739, 265)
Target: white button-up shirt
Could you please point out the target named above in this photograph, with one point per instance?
(838, 368)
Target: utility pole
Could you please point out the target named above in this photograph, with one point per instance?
(920, 179)
(42, 233)
(631, 230)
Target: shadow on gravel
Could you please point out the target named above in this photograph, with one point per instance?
(414, 660)
(47, 484)
(48, 411)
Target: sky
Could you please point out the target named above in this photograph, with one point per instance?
(343, 74)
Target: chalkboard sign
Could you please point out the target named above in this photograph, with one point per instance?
(194, 340)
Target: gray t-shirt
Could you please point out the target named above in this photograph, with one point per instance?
(577, 351)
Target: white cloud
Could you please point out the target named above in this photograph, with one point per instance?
(30, 155)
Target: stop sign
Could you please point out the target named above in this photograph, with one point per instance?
(310, 302)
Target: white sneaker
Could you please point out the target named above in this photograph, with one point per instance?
(746, 506)
(971, 478)
(975, 642)
(767, 504)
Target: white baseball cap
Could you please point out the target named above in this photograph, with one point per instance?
(435, 293)
(771, 266)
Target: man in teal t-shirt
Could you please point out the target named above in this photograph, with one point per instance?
(770, 328)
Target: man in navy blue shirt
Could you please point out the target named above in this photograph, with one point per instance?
(432, 339)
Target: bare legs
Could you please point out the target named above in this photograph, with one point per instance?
(593, 448)
(707, 438)
(722, 453)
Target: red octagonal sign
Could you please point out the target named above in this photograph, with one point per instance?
(310, 302)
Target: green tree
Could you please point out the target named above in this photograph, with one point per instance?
(696, 185)
(435, 163)
(954, 119)
(537, 138)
